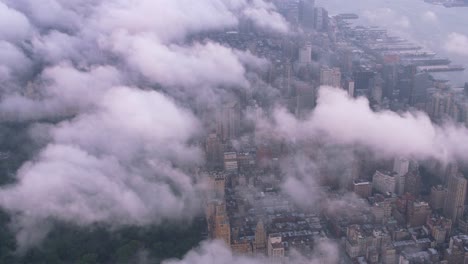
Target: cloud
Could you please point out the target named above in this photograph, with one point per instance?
(60, 91)
(121, 164)
(118, 152)
(388, 17)
(429, 16)
(267, 19)
(14, 25)
(457, 43)
(347, 121)
(175, 65)
(217, 253)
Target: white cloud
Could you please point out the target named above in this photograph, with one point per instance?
(457, 43)
(217, 253)
(120, 164)
(346, 121)
(429, 16)
(387, 17)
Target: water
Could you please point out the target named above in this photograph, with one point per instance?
(430, 26)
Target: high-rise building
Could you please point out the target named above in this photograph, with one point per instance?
(275, 247)
(362, 188)
(350, 88)
(384, 182)
(306, 14)
(321, 19)
(413, 179)
(218, 221)
(222, 228)
(401, 167)
(214, 151)
(440, 227)
(229, 119)
(455, 200)
(417, 213)
(437, 199)
(330, 77)
(230, 162)
(219, 184)
(260, 238)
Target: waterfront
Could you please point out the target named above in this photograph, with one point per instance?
(442, 30)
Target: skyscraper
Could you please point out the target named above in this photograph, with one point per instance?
(214, 151)
(401, 167)
(228, 123)
(437, 198)
(330, 77)
(307, 13)
(320, 19)
(455, 200)
(260, 238)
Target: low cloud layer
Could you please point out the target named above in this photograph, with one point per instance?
(122, 163)
(347, 121)
(457, 43)
(217, 253)
(119, 152)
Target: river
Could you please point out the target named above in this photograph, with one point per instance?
(442, 30)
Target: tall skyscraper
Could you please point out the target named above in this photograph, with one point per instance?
(214, 151)
(384, 182)
(320, 19)
(330, 77)
(229, 119)
(260, 238)
(401, 167)
(306, 14)
(222, 228)
(455, 199)
(437, 198)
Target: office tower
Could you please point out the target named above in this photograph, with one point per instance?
(376, 89)
(417, 213)
(260, 238)
(384, 182)
(275, 247)
(229, 119)
(330, 77)
(214, 151)
(437, 199)
(350, 88)
(401, 167)
(455, 200)
(222, 228)
(218, 184)
(230, 162)
(306, 14)
(362, 188)
(413, 179)
(321, 19)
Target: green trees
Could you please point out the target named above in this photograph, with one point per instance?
(69, 244)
